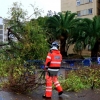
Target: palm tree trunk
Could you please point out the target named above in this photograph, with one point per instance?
(62, 47)
(95, 49)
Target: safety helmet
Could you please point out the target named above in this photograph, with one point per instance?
(55, 45)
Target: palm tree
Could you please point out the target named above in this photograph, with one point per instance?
(89, 33)
(60, 26)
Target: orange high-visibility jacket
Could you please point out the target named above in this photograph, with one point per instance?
(53, 59)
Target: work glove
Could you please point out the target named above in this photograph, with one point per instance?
(46, 68)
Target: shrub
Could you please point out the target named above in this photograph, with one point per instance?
(82, 79)
(16, 79)
(72, 83)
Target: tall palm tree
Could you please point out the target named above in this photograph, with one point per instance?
(60, 26)
(89, 33)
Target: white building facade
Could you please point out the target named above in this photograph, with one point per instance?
(3, 31)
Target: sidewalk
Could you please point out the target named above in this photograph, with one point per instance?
(37, 95)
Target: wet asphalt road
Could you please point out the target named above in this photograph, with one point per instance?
(37, 95)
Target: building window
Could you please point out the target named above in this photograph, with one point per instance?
(1, 31)
(1, 26)
(1, 37)
(84, 12)
(90, 11)
(78, 13)
(80, 2)
(77, 2)
(90, 0)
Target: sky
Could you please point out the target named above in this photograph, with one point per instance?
(45, 5)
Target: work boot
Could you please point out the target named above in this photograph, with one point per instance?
(60, 93)
(46, 97)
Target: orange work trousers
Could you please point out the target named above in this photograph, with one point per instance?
(49, 81)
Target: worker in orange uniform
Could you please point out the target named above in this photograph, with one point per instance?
(52, 65)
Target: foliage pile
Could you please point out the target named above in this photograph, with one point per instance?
(28, 42)
(17, 77)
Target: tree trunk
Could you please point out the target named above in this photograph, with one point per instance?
(62, 47)
(94, 51)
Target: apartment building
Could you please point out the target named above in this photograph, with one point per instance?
(3, 31)
(83, 8)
